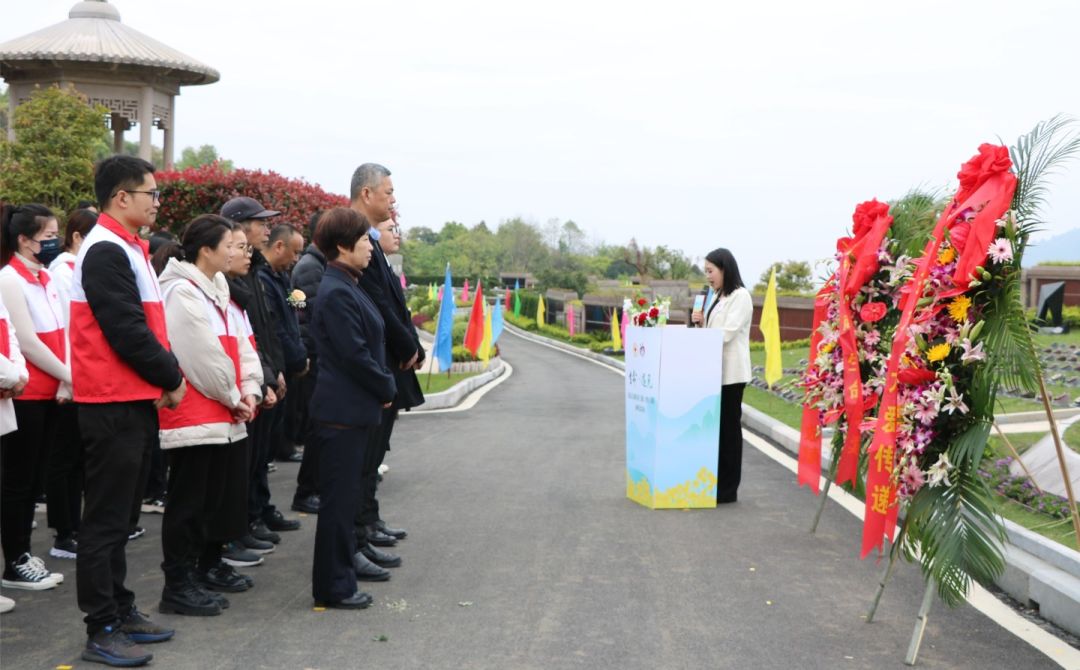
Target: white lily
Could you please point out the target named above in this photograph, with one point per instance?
(955, 403)
(972, 353)
(939, 472)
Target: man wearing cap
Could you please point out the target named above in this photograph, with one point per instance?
(265, 519)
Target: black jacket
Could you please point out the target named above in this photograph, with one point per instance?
(353, 381)
(306, 275)
(113, 297)
(283, 317)
(266, 341)
(384, 287)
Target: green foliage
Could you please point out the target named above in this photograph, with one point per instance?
(52, 159)
(207, 154)
(1037, 156)
(1067, 264)
(157, 154)
(4, 112)
(914, 216)
(789, 344)
(791, 277)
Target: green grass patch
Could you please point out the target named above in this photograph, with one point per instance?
(776, 407)
(1072, 437)
(1058, 530)
(441, 381)
(1021, 441)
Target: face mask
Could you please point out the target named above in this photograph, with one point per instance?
(50, 249)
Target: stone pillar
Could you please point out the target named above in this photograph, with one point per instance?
(146, 122)
(169, 130)
(11, 115)
(119, 125)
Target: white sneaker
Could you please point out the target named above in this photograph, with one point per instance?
(6, 604)
(28, 573)
(383, 469)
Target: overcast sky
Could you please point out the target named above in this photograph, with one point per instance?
(757, 127)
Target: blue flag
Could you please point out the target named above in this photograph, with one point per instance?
(497, 320)
(444, 340)
(515, 284)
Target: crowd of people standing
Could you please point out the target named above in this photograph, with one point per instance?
(168, 375)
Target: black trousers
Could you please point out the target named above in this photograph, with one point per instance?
(204, 508)
(64, 477)
(117, 440)
(729, 469)
(22, 471)
(378, 445)
(259, 434)
(341, 458)
(155, 482)
(307, 479)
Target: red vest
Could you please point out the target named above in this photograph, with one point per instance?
(48, 315)
(98, 374)
(5, 339)
(196, 409)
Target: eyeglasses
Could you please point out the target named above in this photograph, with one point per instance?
(248, 250)
(395, 229)
(155, 194)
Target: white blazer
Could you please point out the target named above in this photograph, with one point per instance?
(732, 314)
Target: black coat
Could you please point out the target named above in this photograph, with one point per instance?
(266, 341)
(283, 317)
(306, 275)
(353, 380)
(384, 287)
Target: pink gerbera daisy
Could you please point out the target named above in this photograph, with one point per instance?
(1000, 250)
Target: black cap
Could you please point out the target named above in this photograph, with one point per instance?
(242, 209)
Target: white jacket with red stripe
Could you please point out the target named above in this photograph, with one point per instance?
(215, 356)
(12, 370)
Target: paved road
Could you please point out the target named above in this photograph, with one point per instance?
(524, 553)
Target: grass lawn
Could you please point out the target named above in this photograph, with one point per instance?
(1058, 530)
(1021, 441)
(440, 382)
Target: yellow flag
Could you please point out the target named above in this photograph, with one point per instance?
(616, 337)
(770, 328)
(540, 311)
(485, 344)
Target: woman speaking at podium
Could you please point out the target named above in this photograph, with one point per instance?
(730, 310)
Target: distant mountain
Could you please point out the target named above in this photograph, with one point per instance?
(1063, 247)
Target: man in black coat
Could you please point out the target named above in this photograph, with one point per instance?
(307, 274)
(264, 518)
(372, 194)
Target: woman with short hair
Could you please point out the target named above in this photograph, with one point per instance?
(352, 388)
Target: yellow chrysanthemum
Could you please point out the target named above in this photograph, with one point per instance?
(937, 352)
(828, 347)
(958, 308)
(947, 255)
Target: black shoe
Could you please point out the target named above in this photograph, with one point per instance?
(222, 577)
(277, 522)
(221, 600)
(237, 555)
(356, 601)
(383, 559)
(187, 598)
(379, 538)
(136, 533)
(142, 630)
(366, 571)
(294, 457)
(260, 532)
(114, 647)
(308, 505)
(396, 533)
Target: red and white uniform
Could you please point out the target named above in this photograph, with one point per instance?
(99, 375)
(12, 369)
(215, 357)
(47, 315)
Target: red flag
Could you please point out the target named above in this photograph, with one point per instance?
(474, 333)
(810, 435)
(506, 300)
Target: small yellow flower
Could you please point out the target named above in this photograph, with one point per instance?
(958, 308)
(828, 347)
(937, 352)
(947, 255)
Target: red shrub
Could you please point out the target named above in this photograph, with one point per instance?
(203, 190)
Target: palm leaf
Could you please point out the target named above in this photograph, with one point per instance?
(1036, 157)
(913, 219)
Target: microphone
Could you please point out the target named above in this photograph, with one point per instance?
(699, 305)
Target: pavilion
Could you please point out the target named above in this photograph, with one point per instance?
(134, 76)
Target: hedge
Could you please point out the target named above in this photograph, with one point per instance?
(188, 193)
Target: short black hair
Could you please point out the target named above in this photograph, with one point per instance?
(25, 220)
(723, 259)
(118, 173)
(205, 230)
(339, 227)
(85, 204)
(282, 231)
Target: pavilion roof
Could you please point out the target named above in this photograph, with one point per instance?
(93, 33)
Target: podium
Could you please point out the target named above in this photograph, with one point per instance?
(673, 380)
